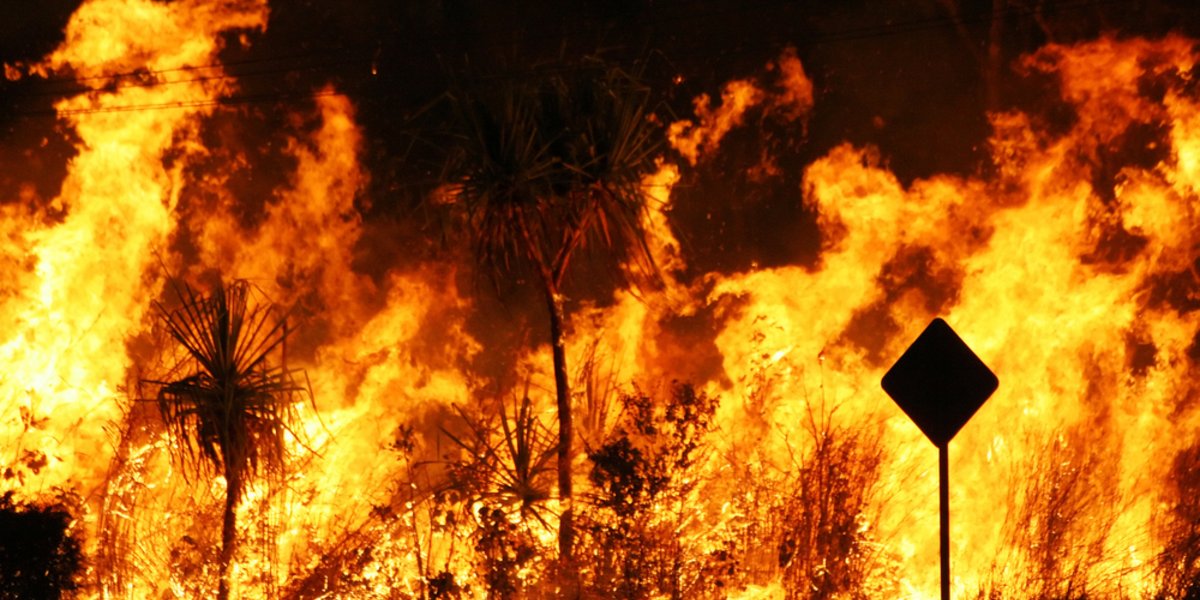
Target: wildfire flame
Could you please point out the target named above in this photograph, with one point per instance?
(1070, 265)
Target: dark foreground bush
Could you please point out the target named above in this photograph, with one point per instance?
(39, 556)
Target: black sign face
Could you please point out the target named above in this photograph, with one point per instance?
(939, 383)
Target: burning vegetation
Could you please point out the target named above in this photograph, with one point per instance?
(231, 370)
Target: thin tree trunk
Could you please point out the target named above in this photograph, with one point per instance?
(228, 533)
(995, 56)
(566, 527)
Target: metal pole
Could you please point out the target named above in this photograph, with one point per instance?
(944, 498)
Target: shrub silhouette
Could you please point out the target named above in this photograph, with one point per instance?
(39, 555)
(642, 477)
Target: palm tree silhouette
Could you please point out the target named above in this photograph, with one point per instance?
(231, 412)
(547, 168)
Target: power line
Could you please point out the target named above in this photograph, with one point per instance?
(870, 31)
(142, 73)
(231, 100)
(911, 26)
(975, 17)
(224, 76)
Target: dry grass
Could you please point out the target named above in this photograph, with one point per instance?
(1179, 562)
(1063, 509)
(825, 548)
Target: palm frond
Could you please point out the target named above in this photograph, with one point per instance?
(549, 167)
(503, 166)
(234, 409)
(614, 148)
(510, 454)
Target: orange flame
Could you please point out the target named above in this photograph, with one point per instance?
(1071, 271)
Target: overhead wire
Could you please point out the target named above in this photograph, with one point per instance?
(870, 31)
(227, 101)
(143, 78)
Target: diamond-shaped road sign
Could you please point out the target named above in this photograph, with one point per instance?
(939, 383)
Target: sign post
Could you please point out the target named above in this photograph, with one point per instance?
(940, 383)
(944, 514)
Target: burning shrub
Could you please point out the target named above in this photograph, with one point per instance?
(503, 548)
(824, 548)
(1179, 561)
(800, 512)
(505, 478)
(508, 457)
(39, 553)
(140, 530)
(472, 519)
(1063, 511)
(406, 547)
(643, 477)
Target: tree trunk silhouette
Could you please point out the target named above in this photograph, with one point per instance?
(228, 531)
(995, 56)
(991, 60)
(566, 528)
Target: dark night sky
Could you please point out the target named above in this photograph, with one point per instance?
(904, 76)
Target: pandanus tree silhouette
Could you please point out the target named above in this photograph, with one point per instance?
(547, 168)
(230, 414)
